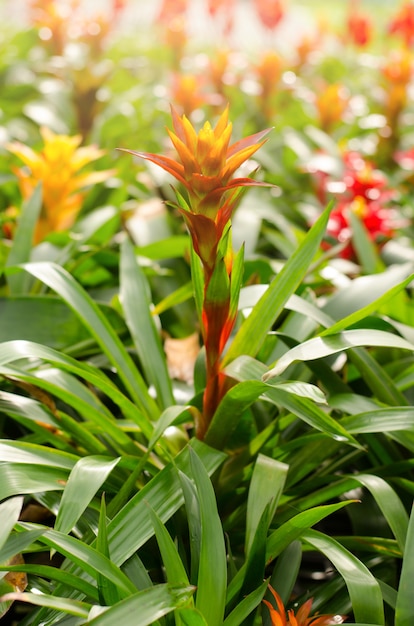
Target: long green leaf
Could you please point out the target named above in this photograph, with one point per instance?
(212, 574)
(23, 241)
(174, 568)
(147, 606)
(132, 526)
(373, 306)
(108, 591)
(49, 572)
(380, 420)
(244, 608)
(364, 590)
(281, 538)
(365, 294)
(320, 347)
(9, 514)
(12, 351)
(85, 479)
(404, 610)
(389, 503)
(134, 290)
(18, 542)
(86, 557)
(374, 375)
(288, 395)
(17, 479)
(65, 605)
(266, 486)
(70, 390)
(254, 329)
(58, 279)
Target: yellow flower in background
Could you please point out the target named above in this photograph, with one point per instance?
(58, 166)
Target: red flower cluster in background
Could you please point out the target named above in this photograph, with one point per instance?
(270, 12)
(364, 191)
(403, 23)
(359, 26)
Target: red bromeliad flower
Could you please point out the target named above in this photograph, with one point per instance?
(403, 23)
(359, 26)
(206, 167)
(363, 190)
(278, 616)
(270, 12)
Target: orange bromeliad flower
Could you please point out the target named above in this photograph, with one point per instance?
(59, 168)
(278, 616)
(206, 167)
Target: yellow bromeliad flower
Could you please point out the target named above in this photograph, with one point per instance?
(278, 616)
(58, 167)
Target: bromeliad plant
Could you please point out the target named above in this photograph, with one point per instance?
(59, 168)
(206, 168)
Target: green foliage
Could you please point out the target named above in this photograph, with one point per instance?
(109, 505)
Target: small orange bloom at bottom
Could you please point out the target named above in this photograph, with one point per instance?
(278, 616)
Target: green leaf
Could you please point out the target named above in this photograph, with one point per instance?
(365, 294)
(16, 479)
(46, 320)
(132, 526)
(373, 306)
(149, 605)
(381, 384)
(108, 591)
(212, 573)
(197, 278)
(86, 557)
(174, 568)
(9, 514)
(246, 606)
(182, 294)
(404, 610)
(12, 351)
(254, 329)
(280, 539)
(389, 503)
(320, 347)
(236, 281)
(366, 250)
(55, 573)
(85, 479)
(71, 391)
(380, 420)
(18, 542)
(193, 515)
(23, 241)
(134, 290)
(230, 410)
(364, 590)
(286, 570)
(285, 394)
(58, 279)
(189, 617)
(266, 486)
(72, 607)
